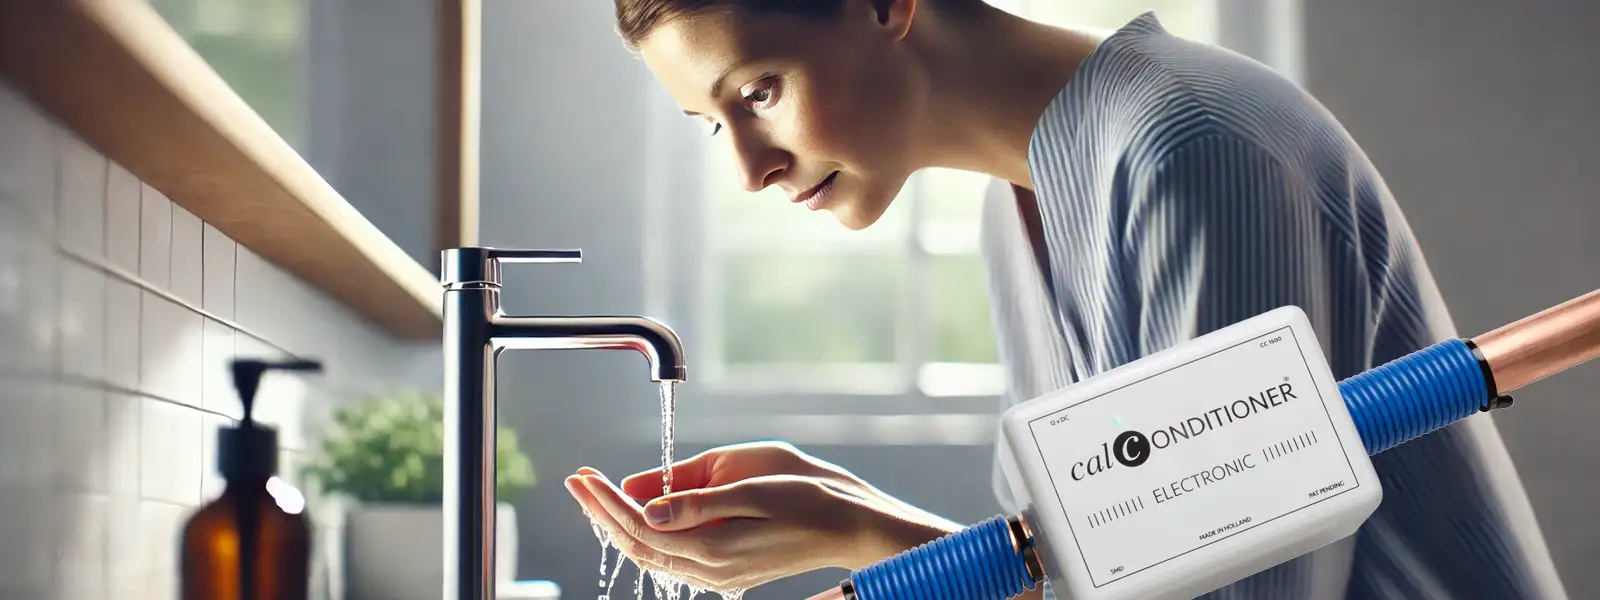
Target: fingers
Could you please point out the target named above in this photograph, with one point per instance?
(729, 548)
(633, 521)
(776, 496)
(693, 508)
(725, 465)
(693, 472)
(619, 533)
(629, 545)
(697, 558)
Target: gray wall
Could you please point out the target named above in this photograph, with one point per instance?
(1477, 111)
(370, 110)
(1481, 115)
(118, 313)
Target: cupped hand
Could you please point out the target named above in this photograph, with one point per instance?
(744, 515)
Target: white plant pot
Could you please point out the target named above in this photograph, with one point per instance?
(396, 551)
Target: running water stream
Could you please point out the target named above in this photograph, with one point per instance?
(669, 421)
(667, 586)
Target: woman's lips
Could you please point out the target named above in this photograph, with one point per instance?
(817, 197)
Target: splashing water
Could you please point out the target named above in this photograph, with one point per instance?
(667, 586)
(605, 545)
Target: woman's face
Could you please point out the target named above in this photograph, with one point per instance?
(820, 108)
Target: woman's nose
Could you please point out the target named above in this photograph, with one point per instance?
(760, 165)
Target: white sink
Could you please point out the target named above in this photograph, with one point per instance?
(527, 590)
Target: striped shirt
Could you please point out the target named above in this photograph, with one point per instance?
(1183, 188)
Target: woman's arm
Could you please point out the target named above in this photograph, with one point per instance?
(1224, 230)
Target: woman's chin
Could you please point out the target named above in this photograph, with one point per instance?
(856, 215)
(852, 221)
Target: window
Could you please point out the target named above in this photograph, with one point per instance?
(903, 302)
(900, 308)
(256, 46)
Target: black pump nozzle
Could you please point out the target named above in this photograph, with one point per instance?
(247, 376)
(248, 450)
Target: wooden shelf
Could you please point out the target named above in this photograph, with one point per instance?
(119, 76)
(459, 58)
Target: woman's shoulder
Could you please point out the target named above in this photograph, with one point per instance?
(1156, 90)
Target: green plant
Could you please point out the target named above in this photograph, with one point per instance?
(391, 449)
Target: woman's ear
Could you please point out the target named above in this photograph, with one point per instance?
(893, 16)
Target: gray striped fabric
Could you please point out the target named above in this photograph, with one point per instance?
(1183, 188)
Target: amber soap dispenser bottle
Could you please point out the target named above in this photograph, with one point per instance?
(253, 542)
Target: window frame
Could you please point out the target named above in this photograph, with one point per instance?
(680, 261)
(912, 371)
(680, 287)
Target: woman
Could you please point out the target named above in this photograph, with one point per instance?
(1158, 189)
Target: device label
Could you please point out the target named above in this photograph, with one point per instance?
(1203, 451)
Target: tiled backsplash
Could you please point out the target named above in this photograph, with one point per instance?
(118, 313)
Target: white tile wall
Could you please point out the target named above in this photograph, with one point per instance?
(119, 311)
(82, 327)
(27, 163)
(79, 430)
(186, 256)
(123, 304)
(82, 212)
(122, 218)
(155, 237)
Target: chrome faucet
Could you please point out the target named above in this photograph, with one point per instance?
(475, 331)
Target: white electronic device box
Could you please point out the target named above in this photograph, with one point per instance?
(1191, 468)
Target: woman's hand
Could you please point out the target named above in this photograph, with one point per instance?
(740, 516)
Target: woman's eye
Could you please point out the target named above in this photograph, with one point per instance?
(765, 93)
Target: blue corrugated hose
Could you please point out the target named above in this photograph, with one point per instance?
(972, 564)
(1415, 394)
(1408, 397)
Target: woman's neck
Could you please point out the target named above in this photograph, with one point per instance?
(989, 78)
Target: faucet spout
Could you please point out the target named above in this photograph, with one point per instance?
(657, 342)
(475, 332)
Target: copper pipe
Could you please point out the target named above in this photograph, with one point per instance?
(1554, 340)
(833, 594)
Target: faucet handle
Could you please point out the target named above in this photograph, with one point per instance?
(479, 264)
(515, 256)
